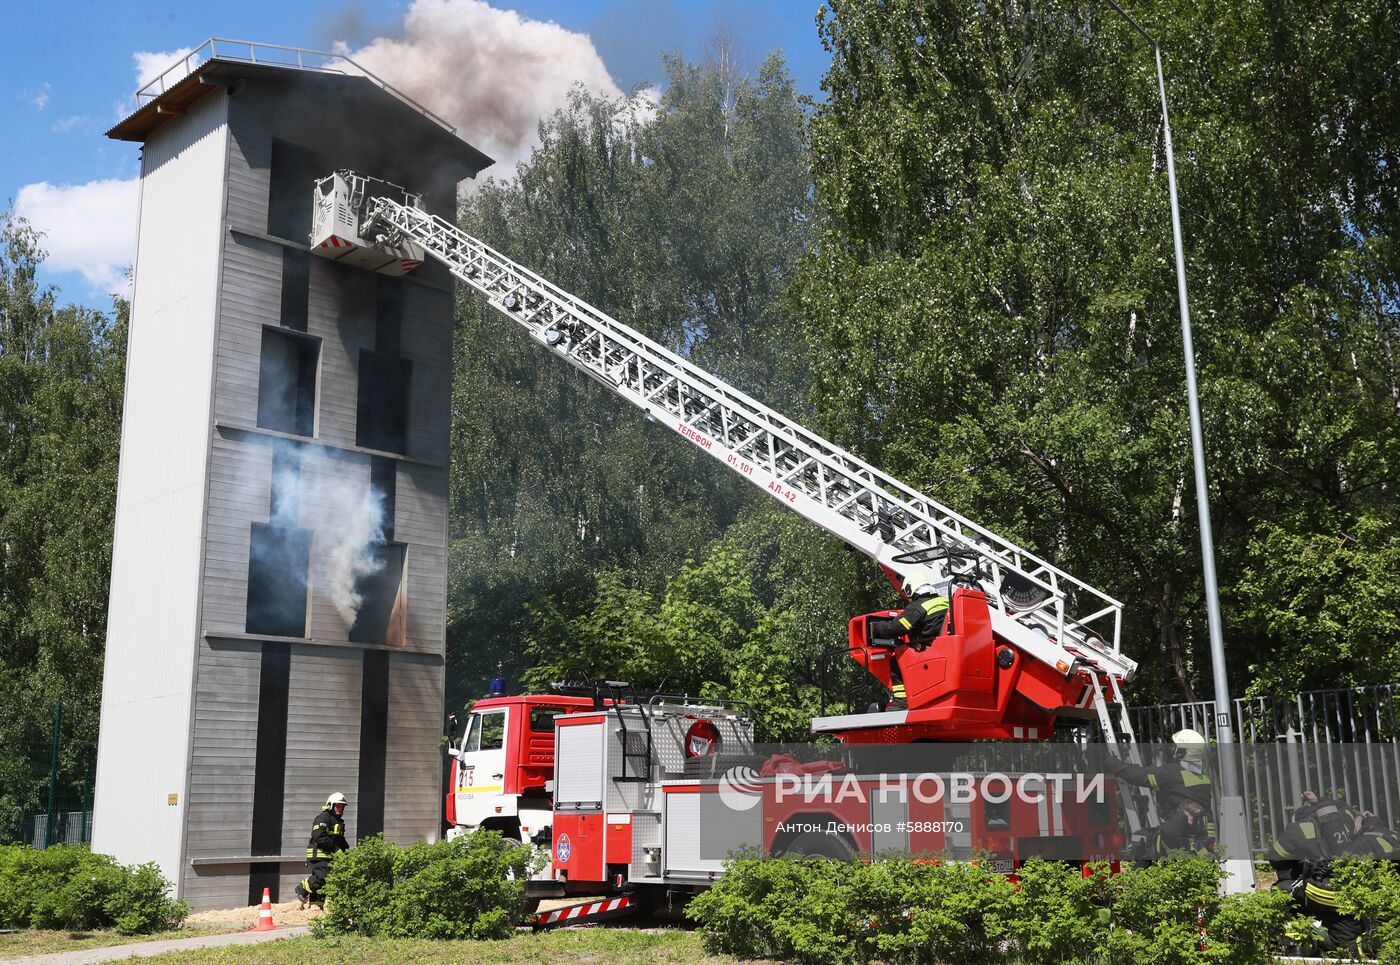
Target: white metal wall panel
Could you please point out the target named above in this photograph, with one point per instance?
(152, 616)
(414, 763)
(579, 758)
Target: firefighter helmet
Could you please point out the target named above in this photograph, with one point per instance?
(336, 798)
(919, 577)
(1190, 745)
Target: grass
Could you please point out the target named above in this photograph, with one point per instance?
(36, 941)
(579, 946)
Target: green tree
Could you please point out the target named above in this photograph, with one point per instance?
(683, 218)
(760, 617)
(992, 315)
(61, 380)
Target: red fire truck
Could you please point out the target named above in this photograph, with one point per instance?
(615, 778)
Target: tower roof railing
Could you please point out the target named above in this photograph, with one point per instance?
(272, 55)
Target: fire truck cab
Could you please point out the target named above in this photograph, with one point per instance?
(503, 764)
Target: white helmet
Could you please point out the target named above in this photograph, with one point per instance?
(922, 576)
(336, 798)
(1190, 745)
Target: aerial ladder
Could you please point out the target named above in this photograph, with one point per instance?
(1067, 633)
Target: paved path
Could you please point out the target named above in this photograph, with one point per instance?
(115, 953)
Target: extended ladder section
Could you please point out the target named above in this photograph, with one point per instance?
(1045, 612)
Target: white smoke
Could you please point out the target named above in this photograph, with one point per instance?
(347, 545)
(491, 73)
(347, 517)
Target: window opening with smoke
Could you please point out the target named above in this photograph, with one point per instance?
(287, 382)
(279, 554)
(379, 585)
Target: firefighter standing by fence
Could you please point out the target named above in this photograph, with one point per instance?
(1185, 798)
(327, 840)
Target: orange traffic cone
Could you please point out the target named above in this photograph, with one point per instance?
(265, 913)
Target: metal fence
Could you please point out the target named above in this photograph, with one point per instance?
(1340, 743)
(46, 785)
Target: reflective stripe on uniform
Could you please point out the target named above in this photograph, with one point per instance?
(898, 690)
(1321, 895)
(1192, 779)
(907, 624)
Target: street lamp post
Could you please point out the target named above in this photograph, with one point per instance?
(1234, 832)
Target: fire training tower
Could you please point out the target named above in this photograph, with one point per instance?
(277, 619)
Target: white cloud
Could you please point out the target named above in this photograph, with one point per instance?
(150, 64)
(65, 125)
(489, 72)
(41, 99)
(88, 228)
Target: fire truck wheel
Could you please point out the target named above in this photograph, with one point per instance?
(508, 829)
(814, 844)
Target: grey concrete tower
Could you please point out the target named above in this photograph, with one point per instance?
(277, 617)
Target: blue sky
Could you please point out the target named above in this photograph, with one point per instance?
(70, 70)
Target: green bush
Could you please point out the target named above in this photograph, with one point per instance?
(473, 887)
(904, 911)
(1370, 890)
(71, 888)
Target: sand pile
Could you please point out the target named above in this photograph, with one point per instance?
(239, 919)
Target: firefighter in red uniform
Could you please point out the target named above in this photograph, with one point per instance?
(921, 621)
(327, 840)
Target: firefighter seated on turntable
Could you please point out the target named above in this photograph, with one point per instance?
(923, 619)
(1185, 798)
(1302, 856)
(328, 832)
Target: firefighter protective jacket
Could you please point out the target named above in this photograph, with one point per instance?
(1174, 784)
(1383, 845)
(921, 620)
(327, 836)
(1318, 832)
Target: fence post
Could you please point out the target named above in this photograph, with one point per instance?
(83, 834)
(53, 772)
